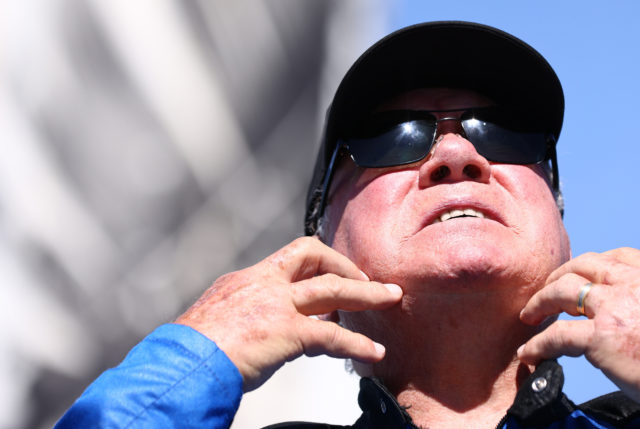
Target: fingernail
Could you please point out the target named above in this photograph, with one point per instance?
(394, 289)
(521, 312)
(366, 277)
(520, 350)
(380, 350)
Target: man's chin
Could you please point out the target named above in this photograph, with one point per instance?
(467, 267)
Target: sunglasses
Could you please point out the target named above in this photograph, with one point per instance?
(400, 137)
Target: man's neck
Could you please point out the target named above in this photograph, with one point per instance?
(451, 357)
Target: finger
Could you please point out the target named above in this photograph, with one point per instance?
(308, 256)
(330, 292)
(627, 255)
(602, 268)
(561, 338)
(558, 297)
(327, 338)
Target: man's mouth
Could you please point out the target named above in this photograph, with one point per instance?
(458, 213)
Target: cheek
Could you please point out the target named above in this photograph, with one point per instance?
(381, 195)
(527, 188)
(366, 214)
(541, 212)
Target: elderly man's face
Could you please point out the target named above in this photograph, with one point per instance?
(392, 222)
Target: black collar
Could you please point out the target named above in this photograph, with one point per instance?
(539, 401)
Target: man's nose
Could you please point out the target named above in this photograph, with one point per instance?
(453, 159)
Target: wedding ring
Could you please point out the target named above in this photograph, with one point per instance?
(582, 296)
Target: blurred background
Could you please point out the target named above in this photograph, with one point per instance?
(149, 147)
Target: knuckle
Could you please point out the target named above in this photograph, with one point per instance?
(311, 293)
(303, 243)
(227, 281)
(332, 285)
(624, 251)
(335, 335)
(283, 257)
(228, 277)
(615, 271)
(556, 334)
(319, 340)
(608, 277)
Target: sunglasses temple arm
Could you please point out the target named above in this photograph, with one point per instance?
(554, 163)
(326, 182)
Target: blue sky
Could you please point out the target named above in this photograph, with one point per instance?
(594, 50)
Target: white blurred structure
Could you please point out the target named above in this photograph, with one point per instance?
(147, 148)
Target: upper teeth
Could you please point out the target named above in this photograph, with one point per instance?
(457, 213)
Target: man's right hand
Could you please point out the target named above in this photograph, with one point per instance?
(259, 316)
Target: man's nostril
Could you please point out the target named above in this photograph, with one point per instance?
(472, 171)
(440, 173)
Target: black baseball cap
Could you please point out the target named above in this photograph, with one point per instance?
(450, 54)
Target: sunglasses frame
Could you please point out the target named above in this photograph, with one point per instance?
(328, 175)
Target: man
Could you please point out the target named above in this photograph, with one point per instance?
(441, 251)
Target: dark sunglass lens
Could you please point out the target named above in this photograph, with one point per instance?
(399, 144)
(502, 138)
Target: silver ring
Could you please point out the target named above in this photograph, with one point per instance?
(582, 296)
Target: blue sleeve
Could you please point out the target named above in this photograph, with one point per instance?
(175, 378)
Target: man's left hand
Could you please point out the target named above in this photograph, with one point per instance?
(610, 336)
